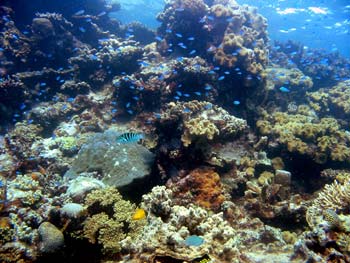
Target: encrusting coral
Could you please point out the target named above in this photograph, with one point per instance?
(201, 186)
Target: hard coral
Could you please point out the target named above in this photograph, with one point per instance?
(201, 186)
(303, 133)
(202, 121)
(109, 219)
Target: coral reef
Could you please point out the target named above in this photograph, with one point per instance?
(305, 134)
(334, 99)
(202, 121)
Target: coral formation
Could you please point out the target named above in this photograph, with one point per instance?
(118, 164)
(202, 121)
(201, 186)
(109, 220)
(303, 133)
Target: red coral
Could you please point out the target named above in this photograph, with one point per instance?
(201, 186)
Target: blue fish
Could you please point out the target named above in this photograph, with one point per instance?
(190, 38)
(129, 137)
(221, 78)
(79, 13)
(194, 240)
(82, 29)
(192, 52)
(178, 35)
(284, 89)
(158, 38)
(236, 102)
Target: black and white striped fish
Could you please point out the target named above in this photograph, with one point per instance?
(129, 137)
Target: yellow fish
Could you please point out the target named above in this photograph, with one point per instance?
(139, 214)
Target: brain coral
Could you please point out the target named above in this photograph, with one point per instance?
(303, 133)
(119, 164)
(202, 121)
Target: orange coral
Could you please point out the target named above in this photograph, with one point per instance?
(201, 186)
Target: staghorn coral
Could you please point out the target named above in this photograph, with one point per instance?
(303, 133)
(201, 186)
(109, 220)
(202, 121)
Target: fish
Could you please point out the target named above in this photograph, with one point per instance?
(129, 137)
(79, 13)
(139, 214)
(221, 78)
(194, 241)
(284, 89)
(236, 102)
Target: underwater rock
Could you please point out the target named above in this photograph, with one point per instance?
(119, 164)
(51, 238)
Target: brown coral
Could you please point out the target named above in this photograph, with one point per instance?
(202, 186)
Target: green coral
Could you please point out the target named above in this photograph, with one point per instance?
(68, 145)
(110, 219)
(303, 133)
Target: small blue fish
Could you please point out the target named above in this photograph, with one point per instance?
(158, 38)
(221, 78)
(168, 30)
(129, 137)
(79, 13)
(102, 13)
(192, 52)
(198, 93)
(236, 102)
(194, 240)
(284, 89)
(82, 29)
(190, 38)
(178, 35)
